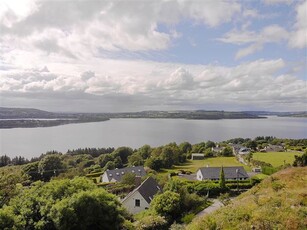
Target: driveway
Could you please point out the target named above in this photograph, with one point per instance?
(215, 206)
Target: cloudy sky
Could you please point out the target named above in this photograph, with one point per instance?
(105, 56)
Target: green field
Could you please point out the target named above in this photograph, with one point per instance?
(193, 165)
(276, 158)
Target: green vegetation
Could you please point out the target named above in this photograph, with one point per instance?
(278, 202)
(63, 204)
(52, 191)
(276, 158)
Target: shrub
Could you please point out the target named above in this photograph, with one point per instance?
(151, 223)
(188, 218)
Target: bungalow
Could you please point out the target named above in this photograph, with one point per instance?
(244, 151)
(140, 198)
(213, 173)
(236, 148)
(274, 148)
(198, 156)
(116, 175)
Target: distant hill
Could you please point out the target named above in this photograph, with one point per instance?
(32, 118)
(183, 114)
(278, 202)
(16, 113)
(280, 114)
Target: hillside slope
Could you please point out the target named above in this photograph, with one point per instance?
(278, 202)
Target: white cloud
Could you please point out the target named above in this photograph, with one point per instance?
(272, 2)
(156, 84)
(212, 13)
(298, 38)
(269, 34)
(74, 39)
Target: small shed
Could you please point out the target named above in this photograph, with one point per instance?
(198, 156)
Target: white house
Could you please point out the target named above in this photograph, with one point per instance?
(244, 151)
(198, 156)
(213, 173)
(139, 199)
(116, 175)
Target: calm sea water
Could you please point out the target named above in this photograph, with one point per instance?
(31, 142)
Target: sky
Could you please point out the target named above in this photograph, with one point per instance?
(116, 56)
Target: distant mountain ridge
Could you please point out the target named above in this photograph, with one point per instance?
(16, 113)
(19, 113)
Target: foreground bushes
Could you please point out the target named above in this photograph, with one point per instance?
(63, 204)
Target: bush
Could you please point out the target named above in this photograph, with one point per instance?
(268, 170)
(188, 218)
(151, 223)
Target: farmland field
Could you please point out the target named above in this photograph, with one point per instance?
(276, 158)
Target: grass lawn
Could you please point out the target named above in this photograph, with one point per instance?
(193, 165)
(276, 158)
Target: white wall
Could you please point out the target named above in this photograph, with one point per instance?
(105, 177)
(199, 176)
(129, 203)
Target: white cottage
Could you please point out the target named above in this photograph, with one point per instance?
(116, 175)
(213, 173)
(139, 199)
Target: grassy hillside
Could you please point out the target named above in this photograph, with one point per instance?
(276, 158)
(278, 202)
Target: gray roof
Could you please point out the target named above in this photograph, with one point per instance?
(116, 174)
(211, 173)
(147, 189)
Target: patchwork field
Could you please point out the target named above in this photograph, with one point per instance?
(276, 158)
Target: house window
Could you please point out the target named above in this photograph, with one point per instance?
(137, 203)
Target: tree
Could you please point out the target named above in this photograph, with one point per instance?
(128, 178)
(185, 147)
(167, 204)
(104, 159)
(32, 170)
(154, 163)
(151, 223)
(135, 159)
(300, 161)
(251, 144)
(145, 151)
(210, 144)
(6, 220)
(227, 152)
(11, 179)
(50, 165)
(96, 209)
(123, 153)
(64, 204)
(4, 160)
(222, 179)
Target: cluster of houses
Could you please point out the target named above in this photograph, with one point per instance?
(140, 198)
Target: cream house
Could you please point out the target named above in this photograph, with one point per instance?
(139, 199)
(213, 173)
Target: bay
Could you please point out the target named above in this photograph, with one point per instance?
(31, 142)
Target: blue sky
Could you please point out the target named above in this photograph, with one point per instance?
(104, 56)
